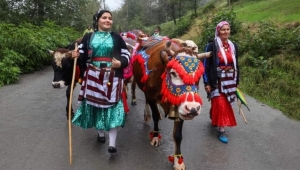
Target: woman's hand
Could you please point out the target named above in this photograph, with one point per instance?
(207, 89)
(115, 63)
(75, 52)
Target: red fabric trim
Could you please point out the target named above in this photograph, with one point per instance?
(132, 36)
(77, 74)
(141, 61)
(102, 59)
(125, 104)
(186, 78)
(167, 96)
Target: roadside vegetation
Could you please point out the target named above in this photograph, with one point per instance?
(24, 49)
(268, 35)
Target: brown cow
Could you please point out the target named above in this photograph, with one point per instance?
(169, 74)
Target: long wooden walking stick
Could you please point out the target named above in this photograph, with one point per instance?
(70, 104)
(241, 111)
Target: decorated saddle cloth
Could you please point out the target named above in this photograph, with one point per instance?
(100, 87)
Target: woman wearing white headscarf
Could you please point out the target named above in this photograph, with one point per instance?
(221, 79)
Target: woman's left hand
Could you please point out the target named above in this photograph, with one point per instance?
(115, 63)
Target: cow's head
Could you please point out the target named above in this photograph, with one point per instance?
(180, 83)
(59, 57)
(187, 44)
(62, 65)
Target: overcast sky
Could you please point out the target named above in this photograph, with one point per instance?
(114, 4)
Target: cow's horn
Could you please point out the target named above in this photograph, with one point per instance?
(51, 52)
(167, 48)
(179, 41)
(204, 55)
(172, 52)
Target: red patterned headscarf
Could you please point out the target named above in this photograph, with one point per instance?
(219, 26)
(220, 44)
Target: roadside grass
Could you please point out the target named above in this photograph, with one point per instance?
(278, 84)
(280, 11)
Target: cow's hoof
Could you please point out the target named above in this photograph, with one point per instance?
(155, 140)
(178, 162)
(179, 167)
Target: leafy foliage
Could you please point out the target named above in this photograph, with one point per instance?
(209, 26)
(268, 59)
(9, 70)
(24, 48)
(181, 27)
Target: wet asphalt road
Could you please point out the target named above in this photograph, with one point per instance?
(34, 136)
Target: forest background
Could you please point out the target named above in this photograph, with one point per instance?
(266, 31)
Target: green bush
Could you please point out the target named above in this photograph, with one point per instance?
(181, 27)
(268, 58)
(270, 66)
(9, 69)
(24, 48)
(209, 26)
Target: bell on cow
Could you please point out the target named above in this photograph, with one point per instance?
(172, 113)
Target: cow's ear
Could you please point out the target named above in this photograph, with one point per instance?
(51, 52)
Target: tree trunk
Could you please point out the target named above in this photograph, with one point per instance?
(195, 7)
(173, 13)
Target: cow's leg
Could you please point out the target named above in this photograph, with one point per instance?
(147, 115)
(133, 97)
(125, 88)
(154, 135)
(68, 93)
(177, 136)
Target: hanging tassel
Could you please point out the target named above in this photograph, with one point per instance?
(171, 158)
(152, 135)
(180, 160)
(190, 97)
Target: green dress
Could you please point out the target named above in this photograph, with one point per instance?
(88, 116)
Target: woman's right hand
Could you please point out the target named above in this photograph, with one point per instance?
(75, 52)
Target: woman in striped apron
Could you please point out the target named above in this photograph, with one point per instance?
(221, 79)
(102, 57)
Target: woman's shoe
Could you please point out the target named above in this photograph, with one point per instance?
(222, 137)
(101, 139)
(112, 150)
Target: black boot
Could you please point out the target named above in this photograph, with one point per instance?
(112, 150)
(101, 139)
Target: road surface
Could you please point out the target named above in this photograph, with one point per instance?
(34, 136)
